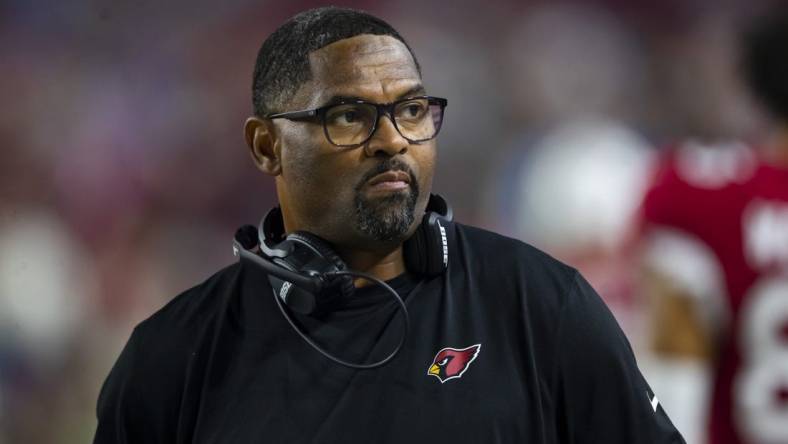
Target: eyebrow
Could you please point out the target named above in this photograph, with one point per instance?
(416, 90)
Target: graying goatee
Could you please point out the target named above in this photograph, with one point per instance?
(388, 218)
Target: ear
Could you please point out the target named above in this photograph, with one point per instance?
(259, 135)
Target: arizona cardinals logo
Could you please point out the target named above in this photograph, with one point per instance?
(451, 363)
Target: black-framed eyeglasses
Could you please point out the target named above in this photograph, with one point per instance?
(351, 123)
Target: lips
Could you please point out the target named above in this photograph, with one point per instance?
(390, 176)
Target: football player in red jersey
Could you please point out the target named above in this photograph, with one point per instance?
(716, 220)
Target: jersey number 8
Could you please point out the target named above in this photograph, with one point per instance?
(761, 389)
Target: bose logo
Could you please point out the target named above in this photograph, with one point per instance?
(445, 245)
(284, 290)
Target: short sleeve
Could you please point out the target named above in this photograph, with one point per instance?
(602, 396)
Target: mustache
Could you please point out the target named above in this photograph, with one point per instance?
(387, 165)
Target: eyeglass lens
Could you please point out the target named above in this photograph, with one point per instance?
(352, 124)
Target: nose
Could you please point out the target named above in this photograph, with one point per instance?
(386, 141)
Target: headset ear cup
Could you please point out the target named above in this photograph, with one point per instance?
(434, 240)
(344, 283)
(424, 251)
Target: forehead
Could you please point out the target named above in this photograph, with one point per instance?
(372, 67)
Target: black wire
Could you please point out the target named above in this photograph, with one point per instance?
(336, 359)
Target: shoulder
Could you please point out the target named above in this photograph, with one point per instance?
(555, 294)
(162, 345)
(189, 311)
(490, 252)
(694, 173)
(142, 392)
(713, 166)
(706, 167)
(511, 273)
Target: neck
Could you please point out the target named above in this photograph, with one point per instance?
(384, 265)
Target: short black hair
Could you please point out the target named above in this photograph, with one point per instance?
(765, 61)
(283, 60)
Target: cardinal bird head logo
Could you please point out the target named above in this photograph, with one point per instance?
(451, 363)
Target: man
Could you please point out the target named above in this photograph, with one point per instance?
(716, 220)
(505, 344)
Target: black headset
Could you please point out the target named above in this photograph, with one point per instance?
(310, 277)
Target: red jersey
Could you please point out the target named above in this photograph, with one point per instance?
(736, 206)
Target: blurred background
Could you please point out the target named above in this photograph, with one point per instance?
(124, 172)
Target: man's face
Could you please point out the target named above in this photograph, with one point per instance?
(351, 196)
